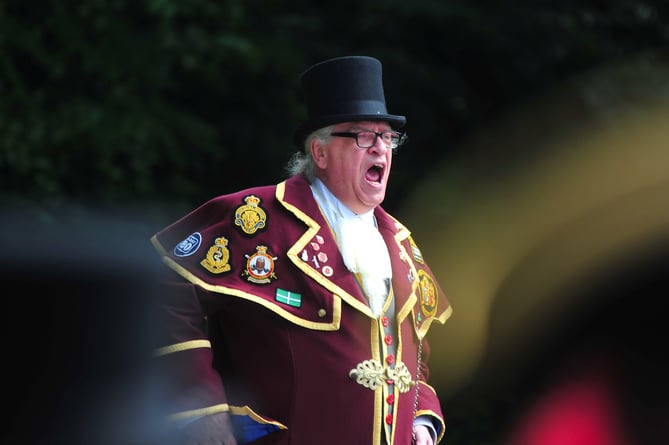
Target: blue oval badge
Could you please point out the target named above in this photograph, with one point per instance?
(188, 246)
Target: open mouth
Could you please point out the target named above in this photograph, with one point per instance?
(375, 173)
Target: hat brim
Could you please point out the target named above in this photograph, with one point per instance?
(302, 131)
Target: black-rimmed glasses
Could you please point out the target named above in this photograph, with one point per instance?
(366, 139)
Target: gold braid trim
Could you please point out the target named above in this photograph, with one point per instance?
(196, 413)
(184, 346)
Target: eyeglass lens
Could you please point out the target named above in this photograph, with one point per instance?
(366, 139)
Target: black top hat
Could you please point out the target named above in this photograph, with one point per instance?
(344, 89)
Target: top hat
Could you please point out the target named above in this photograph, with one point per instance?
(344, 89)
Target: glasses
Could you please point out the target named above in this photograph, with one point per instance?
(366, 139)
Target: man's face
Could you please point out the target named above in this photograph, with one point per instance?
(357, 176)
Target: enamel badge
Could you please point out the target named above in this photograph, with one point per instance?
(250, 217)
(188, 246)
(287, 297)
(218, 257)
(428, 294)
(260, 266)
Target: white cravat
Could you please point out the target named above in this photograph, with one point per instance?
(361, 245)
(364, 253)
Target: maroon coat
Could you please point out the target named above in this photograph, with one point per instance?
(292, 346)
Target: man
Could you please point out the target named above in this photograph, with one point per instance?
(316, 300)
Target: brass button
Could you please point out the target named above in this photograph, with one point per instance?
(321, 313)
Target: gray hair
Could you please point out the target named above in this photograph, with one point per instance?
(301, 162)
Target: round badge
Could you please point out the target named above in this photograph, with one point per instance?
(188, 246)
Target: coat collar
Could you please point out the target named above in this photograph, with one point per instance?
(334, 276)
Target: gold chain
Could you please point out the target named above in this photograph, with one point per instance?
(415, 402)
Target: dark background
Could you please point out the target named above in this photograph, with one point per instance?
(116, 117)
(156, 106)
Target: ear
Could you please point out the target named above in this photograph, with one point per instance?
(318, 153)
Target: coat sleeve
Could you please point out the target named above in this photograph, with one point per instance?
(428, 401)
(189, 383)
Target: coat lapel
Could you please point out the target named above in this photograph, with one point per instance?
(316, 253)
(404, 273)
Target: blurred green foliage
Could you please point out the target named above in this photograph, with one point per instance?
(162, 104)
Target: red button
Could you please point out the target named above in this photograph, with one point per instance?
(390, 359)
(390, 399)
(388, 339)
(389, 419)
(385, 322)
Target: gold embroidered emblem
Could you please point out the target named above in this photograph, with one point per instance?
(372, 374)
(260, 266)
(415, 251)
(428, 294)
(250, 217)
(218, 255)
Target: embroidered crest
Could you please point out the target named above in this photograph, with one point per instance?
(188, 246)
(218, 255)
(260, 266)
(428, 294)
(417, 254)
(250, 217)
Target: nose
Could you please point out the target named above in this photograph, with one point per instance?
(379, 146)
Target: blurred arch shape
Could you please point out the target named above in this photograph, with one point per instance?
(582, 171)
